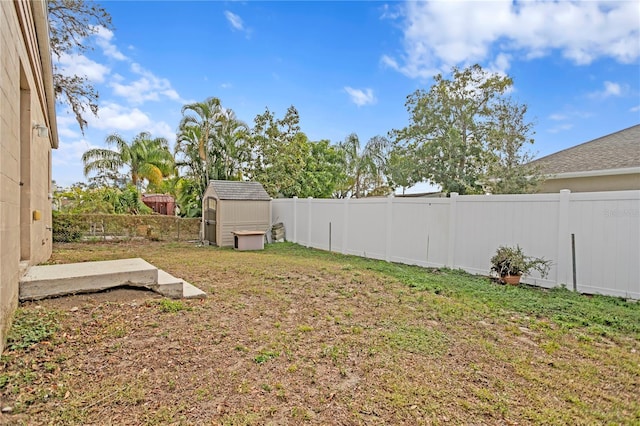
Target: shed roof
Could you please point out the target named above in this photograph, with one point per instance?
(158, 198)
(618, 150)
(234, 190)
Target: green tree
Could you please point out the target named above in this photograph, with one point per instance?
(365, 168)
(80, 199)
(451, 126)
(189, 197)
(402, 168)
(196, 131)
(277, 153)
(71, 22)
(510, 134)
(323, 171)
(187, 155)
(146, 158)
(231, 137)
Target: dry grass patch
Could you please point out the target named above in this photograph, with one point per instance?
(296, 336)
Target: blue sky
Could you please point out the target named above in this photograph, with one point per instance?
(348, 66)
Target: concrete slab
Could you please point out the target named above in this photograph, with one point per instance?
(190, 291)
(168, 285)
(57, 280)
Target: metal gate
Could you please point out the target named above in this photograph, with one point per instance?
(210, 220)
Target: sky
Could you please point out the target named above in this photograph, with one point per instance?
(348, 66)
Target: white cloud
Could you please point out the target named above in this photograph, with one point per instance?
(389, 12)
(360, 97)
(70, 152)
(80, 65)
(234, 20)
(148, 87)
(635, 108)
(67, 125)
(226, 86)
(610, 89)
(560, 128)
(557, 117)
(440, 34)
(103, 39)
(117, 118)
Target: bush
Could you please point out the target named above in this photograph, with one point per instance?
(66, 228)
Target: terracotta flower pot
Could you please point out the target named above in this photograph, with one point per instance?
(511, 279)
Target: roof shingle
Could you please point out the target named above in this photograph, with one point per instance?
(234, 190)
(615, 151)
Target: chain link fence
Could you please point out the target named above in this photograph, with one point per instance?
(102, 227)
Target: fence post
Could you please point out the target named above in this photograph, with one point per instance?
(564, 243)
(309, 221)
(451, 249)
(345, 224)
(387, 251)
(295, 220)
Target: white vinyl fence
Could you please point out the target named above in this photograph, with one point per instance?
(465, 231)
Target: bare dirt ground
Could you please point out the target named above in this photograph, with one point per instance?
(304, 340)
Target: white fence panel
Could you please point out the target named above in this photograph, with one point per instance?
(419, 231)
(485, 222)
(326, 217)
(366, 229)
(464, 232)
(607, 242)
(282, 211)
(303, 223)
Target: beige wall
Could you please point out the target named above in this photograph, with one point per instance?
(593, 184)
(25, 157)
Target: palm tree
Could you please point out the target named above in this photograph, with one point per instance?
(146, 157)
(365, 167)
(231, 138)
(202, 116)
(211, 142)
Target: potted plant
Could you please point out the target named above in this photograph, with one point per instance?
(511, 262)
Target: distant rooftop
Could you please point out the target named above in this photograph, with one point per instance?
(618, 150)
(234, 190)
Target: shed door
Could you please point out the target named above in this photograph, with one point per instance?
(210, 220)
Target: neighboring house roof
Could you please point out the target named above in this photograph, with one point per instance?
(234, 190)
(618, 151)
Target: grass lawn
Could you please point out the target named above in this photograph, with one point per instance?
(290, 335)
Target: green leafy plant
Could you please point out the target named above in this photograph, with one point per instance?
(31, 327)
(513, 261)
(169, 306)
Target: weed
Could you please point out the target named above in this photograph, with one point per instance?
(31, 327)
(418, 340)
(170, 306)
(300, 413)
(265, 356)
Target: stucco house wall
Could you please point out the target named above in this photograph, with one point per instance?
(608, 182)
(27, 135)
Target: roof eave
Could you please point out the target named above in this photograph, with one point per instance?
(41, 21)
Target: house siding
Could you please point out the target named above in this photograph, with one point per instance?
(593, 183)
(25, 157)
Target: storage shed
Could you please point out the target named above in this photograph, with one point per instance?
(160, 203)
(229, 206)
